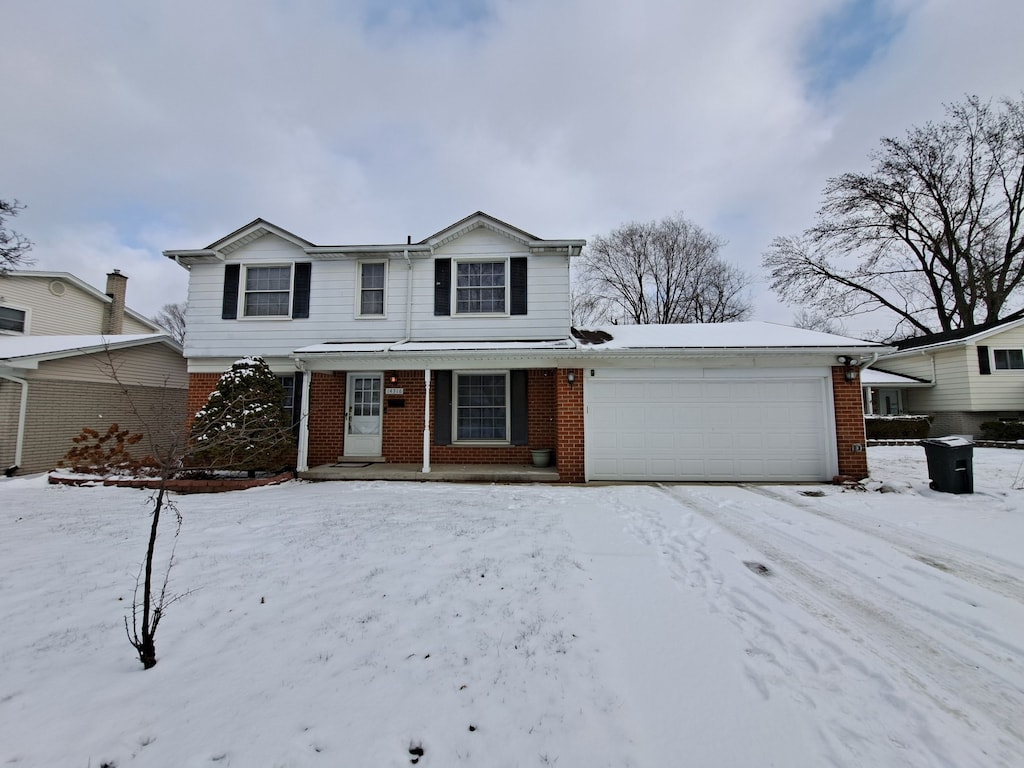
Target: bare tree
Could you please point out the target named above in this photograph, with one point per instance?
(13, 246)
(172, 319)
(666, 271)
(818, 321)
(931, 235)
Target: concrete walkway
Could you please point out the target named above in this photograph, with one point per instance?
(439, 473)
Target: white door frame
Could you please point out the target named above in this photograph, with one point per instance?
(364, 413)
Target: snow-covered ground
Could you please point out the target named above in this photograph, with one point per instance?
(359, 624)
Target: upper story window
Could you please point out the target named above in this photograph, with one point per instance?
(12, 320)
(480, 287)
(372, 285)
(259, 291)
(1008, 359)
(268, 291)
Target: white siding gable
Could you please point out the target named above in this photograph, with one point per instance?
(334, 300)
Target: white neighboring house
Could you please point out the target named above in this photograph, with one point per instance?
(59, 337)
(458, 349)
(960, 378)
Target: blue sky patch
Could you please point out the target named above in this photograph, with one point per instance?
(846, 40)
(419, 14)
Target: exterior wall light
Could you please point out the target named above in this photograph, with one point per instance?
(571, 377)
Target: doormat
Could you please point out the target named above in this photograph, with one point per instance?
(351, 464)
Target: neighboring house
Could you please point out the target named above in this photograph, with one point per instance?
(960, 378)
(60, 340)
(457, 350)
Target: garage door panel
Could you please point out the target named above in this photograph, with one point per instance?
(708, 429)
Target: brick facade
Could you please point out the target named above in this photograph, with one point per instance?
(569, 447)
(849, 408)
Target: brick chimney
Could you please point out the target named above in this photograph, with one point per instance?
(117, 287)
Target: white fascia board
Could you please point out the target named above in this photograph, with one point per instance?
(342, 251)
(32, 361)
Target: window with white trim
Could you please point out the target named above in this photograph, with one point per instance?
(267, 291)
(481, 287)
(481, 406)
(373, 277)
(1008, 359)
(12, 320)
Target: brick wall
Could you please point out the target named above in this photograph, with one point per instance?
(849, 408)
(326, 417)
(569, 418)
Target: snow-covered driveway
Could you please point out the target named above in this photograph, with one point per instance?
(361, 624)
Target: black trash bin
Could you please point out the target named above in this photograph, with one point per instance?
(950, 464)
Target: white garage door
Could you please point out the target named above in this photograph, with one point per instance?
(709, 425)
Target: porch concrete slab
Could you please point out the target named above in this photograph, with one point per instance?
(439, 473)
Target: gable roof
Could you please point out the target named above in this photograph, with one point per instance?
(83, 286)
(260, 227)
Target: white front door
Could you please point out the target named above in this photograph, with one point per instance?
(363, 414)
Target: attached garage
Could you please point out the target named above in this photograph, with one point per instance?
(709, 424)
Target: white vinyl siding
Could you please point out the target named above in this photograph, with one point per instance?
(74, 312)
(150, 365)
(334, 301)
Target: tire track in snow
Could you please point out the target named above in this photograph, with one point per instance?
(922, 547)
(813, 667)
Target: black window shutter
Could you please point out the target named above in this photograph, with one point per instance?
(442, 407)
(300, 296)
(442, 286)
(983, 362)
(297, 402)
(229, 304)
(520, 408)
(517, 284)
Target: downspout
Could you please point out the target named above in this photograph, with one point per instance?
(19, 442)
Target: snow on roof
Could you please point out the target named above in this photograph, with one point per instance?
(873, 377)
(13, 347)
(718, 336)
(433, 346)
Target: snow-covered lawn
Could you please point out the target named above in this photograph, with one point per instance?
(361, 624)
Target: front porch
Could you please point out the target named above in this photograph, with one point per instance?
(439, 473)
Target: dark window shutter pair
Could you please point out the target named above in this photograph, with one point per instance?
(300, 291)
(443, 408)
(984, 365)
(443, 286)
(297, 403)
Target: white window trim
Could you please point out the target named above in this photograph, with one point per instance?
(996, 369)
(455, 285)
(359, 289)
(242, 292)
(28, 319)
(456, 440)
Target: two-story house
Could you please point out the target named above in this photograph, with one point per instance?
(61, 341)
(458, 349)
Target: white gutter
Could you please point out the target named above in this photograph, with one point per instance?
(22, 412)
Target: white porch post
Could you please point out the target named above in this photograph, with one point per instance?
(870, 400)
(302, 461)
(426, 421)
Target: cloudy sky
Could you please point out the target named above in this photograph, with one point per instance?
(132, 127)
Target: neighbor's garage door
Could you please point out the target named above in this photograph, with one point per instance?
(708, 425)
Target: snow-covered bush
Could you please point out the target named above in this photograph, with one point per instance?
(243, 425)
(897, 427)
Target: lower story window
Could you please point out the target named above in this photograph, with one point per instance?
(481, 406)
